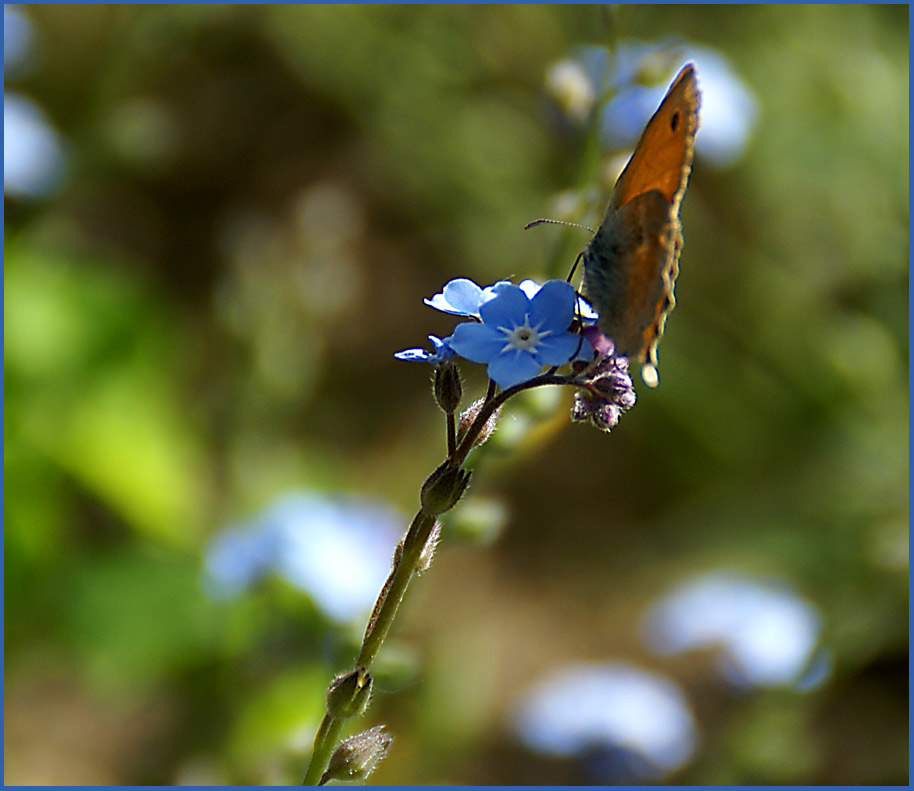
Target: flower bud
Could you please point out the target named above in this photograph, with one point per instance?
(606, 416)
(469, 416)
(606, 386)
(626, 399)
(612, 383)
(448, 387)
(444, 487)
(348, 694)
(580, 408)
(357, 756)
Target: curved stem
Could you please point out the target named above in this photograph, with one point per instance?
(489, 407)
(407, 560)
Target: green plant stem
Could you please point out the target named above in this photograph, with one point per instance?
(325, 741)
(451, 433)
(382, 618)
(395, 588)
(406, 561)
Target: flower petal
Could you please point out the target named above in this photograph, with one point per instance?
(561, 349)
(478, 343)
(413, 355)
(442, 352)
(512, 368)
(529, 287)
(553, 306)
(509, 307)
(490, 292)
(460, 296)
(586, 311)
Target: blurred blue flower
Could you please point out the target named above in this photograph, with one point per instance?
(441, 354)
(728, 108)
(238, 558)
(33, 154)
(613, 709)
(518, 335)
(766, 633)
(33, 157)
(18, 40)
(337, 549)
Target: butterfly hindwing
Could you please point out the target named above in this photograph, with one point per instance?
(626, 261)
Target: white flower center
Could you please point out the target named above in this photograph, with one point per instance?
(523, 337)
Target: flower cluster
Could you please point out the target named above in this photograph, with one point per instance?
(515, 330)
(606, 386)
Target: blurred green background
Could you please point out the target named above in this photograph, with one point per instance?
(247, 206)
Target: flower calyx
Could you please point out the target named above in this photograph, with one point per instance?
(349, 693)
(448, 387)
(357, 756)
(444, 487)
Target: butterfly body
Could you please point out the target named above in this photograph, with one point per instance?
(632, 261)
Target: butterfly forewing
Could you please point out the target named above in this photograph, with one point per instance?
(662, 158)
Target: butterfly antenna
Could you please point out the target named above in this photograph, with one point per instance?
(546, 221)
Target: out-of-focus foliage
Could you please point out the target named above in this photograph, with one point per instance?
(227, 228)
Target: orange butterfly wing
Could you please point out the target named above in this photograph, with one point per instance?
(631, 264)
(663, 155)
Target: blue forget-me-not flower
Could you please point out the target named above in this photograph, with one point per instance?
(765, 632)
(519, 329)
(518, 336)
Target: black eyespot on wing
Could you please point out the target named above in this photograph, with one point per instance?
(674, 122)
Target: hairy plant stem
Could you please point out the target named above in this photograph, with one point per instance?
(395, 588)
(451, 434)
(407, 559)
(493, 403)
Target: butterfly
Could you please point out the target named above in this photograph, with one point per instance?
(632, 261)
